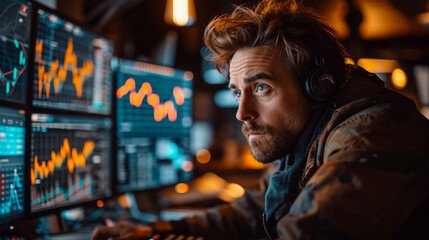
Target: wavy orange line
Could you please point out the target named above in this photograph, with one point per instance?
(58, 74)
(72, 157)
(160, 110)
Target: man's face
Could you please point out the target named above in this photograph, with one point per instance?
(272, 106)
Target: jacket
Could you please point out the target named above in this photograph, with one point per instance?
(365, 177)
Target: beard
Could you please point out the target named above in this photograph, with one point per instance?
(274, 142)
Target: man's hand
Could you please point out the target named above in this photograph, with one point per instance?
(120, 232)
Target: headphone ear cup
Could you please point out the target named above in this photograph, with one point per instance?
(319, 86)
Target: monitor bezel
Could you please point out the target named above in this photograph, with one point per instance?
(5, 225)
(116, 138)
(79, 203)
(12, 219)
(24, 104)
(33, 36)
(30, 109)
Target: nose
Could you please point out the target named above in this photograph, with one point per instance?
(246, 109)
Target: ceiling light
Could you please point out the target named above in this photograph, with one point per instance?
(180, 12)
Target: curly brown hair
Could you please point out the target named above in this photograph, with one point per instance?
(285, 25)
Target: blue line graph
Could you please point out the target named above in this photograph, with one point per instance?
(81, 188)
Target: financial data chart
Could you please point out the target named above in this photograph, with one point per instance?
(14, 44)
(72, 67)
(70, 160)
(154, 117)
(12, 146)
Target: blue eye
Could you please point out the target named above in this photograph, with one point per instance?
(237, 94)
(261, 87)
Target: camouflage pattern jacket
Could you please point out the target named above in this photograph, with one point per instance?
(366, 177)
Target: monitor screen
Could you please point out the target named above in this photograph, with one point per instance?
(72, 67)
(14, 44)
(12, 158)
(153, 123)
(70, 160)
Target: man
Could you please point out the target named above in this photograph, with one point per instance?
(351, 157)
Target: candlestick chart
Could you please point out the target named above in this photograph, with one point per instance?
(12, 141)
(72, 67)
(14, 44)
(70, 160)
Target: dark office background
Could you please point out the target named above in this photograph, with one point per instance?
(376, 29)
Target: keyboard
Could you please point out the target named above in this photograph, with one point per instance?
(68, 236)
(83, 236)
(173, 236)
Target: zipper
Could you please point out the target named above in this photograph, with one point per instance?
(265, 227)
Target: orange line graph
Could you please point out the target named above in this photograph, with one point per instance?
(58, 74)
(72, 157)
(160, 110)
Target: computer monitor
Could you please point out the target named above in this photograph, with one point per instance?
(71, 66)
(154, 116)
(14, 45)
(12, 159)
(70, 160)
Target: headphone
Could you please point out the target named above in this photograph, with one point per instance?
(320, 85)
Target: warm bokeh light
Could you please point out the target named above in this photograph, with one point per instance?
(247, 161)
(180, 12)
(214, 179)
(350, 61)
(100, 203)
(123, 201)
(181, 188)
(381, 19)
(235, 190)
(378, 65)
(210, 183)
(231, 192)
(188, 76)
(203, 156)
(423, 18)
(187, 166)
(399, 78)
